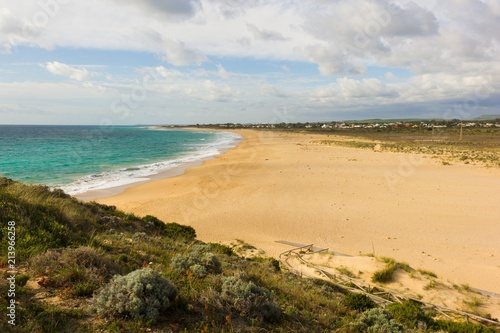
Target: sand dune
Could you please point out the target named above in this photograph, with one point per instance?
(283, 186)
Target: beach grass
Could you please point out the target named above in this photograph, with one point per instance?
(345, 271)
(427, 273)
(478, 146)
(386, 274)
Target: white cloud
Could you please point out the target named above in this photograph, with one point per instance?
(356, 33)
(211, 91)
(95, 87)
(272, 91)
(220, 72)
(332, 60)
(434, 95)
(9, 24)
(365, 88)
(264, 35)
(430, 51)
(390, 76)
(178, 54)
(51, 103)
(60, 69)
(5, 48)
(12, 31)
(231, 9)
(171, 8)
(347, 90)
(410, 20)
(341, 37)
(169, 74)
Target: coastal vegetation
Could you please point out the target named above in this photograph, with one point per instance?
(87, 267)
(386, 274)
(448, 141)
(443, 149)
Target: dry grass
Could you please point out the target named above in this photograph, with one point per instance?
(478, 146)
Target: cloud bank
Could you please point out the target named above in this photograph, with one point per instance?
(235, 60)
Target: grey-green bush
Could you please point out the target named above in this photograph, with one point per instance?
(377, 320)
(67, 267)
(359, 302)
(199, 261)
(248, 299)
(141, 294)
(410, 314)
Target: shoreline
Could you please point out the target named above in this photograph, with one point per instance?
(115, 190)
(282, 186)
(166, 173)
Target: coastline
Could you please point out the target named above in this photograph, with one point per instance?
(115, 190)
(166, 173)
(283, 186)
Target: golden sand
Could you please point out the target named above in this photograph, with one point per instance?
(284, 186)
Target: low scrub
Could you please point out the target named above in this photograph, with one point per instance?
(245, 299)
(410, 314)
(375, 321)
(140, 295)
(77, 249)
(80, 271)
(457, 327)
(359, 302)
(172, 229)
(22, 279)
(199, 262)
(386, 274)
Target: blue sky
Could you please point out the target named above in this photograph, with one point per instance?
(212, 61)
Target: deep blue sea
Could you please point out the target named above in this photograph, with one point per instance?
(82, 158)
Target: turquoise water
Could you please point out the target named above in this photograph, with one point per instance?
(82, 158)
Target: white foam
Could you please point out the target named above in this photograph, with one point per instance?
(126, 176)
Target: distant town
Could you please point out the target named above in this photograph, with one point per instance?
(367, 124)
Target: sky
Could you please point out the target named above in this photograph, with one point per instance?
(125, 62)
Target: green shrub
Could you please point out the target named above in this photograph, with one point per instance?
(359, 302)
(272, 262)
(44, 219)
(175, 231)
(276, 264)
(410, 314)
(49, 318)
(246, 299)
(376, 320)
(222, 249)
(22, 279)
(84, 289)
(141, 294)
(456, 327)
(172, 230)
(154, 220)
(199, 261)
(385, 274)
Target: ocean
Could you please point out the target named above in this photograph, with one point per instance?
(78, 159)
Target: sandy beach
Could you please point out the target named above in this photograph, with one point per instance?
(287, 186)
